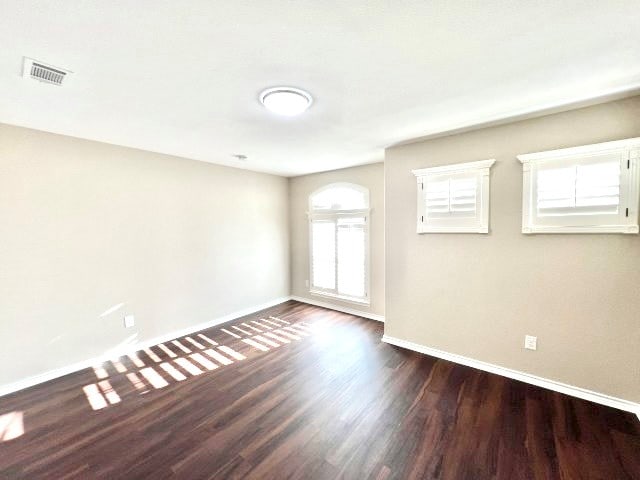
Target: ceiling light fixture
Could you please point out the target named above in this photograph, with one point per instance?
(286, 101)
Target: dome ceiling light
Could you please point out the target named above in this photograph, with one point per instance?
(286, 101)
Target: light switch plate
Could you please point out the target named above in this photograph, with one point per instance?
(129, 321)
(530, 342)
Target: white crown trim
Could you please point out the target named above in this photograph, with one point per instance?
(582, 149)
(456, 167)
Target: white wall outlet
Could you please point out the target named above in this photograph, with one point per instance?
(306, 282)
(129, 321)
(530, 342)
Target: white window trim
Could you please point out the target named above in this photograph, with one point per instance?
(481, 168)
(329, 214)
(632, 148)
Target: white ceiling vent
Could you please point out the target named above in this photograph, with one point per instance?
(44, 73)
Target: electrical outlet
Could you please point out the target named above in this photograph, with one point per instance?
(129, 321)
(306, 282)
(530, 342)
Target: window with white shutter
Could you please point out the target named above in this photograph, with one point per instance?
(339, 242)
(323, 255)
(587, 189)
(454, 198)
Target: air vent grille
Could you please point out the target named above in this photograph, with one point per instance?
(44, 73)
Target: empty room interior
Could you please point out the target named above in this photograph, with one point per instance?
(320, 240)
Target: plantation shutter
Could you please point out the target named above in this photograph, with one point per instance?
(323, 254)
(452, 197)
(583, 189)
(462, 196)
(351, 256)
(451, 200)
(339, 242)
(592, 188)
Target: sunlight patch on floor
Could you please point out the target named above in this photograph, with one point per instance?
(186, 362)
(278, 338)
(94, 397)
(194, 343)
(11, 426)
(188, 366)
(202, 360)
(154, 378)
(173, 371)
(137, 383)
(255, 344)
(207, 339)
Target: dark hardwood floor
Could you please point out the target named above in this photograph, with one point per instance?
(334, 402)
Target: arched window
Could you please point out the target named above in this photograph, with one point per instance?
(339, 197)
(339, 242)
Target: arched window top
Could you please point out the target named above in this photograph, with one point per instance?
(338, 197)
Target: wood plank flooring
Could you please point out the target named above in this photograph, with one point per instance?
(312, 394)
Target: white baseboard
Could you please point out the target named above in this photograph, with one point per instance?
(350, 311)
(60, 372)
(582, 393)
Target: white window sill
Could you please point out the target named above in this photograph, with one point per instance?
(582, 229)
(427, 229)
(342, 298)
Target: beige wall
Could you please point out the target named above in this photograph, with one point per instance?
(85, 226)
(370, 176)
(478, 295)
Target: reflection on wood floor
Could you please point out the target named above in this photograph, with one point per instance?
(186, 357)
(298, 391)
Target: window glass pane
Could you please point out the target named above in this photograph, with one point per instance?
(351, 256)
(339, 198)
(323, 255)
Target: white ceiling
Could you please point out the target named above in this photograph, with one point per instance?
(183, 77)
